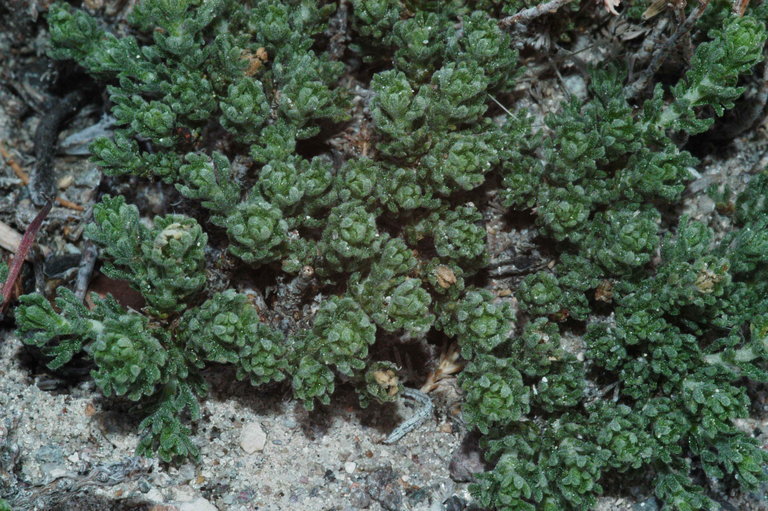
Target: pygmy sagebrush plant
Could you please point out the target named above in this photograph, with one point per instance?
(234, 104)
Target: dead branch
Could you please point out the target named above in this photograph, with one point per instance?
(633, 90)
(532, 13)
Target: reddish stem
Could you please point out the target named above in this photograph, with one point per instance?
(21, 253)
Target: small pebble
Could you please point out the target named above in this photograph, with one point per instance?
(350, 467)
(576, 85)
(49, 453)
(199, 504)
(382, 487)
(53, 471)
(187, 472)
(646, 505)
(144, 486)
(466, 460)
(418, 496)
(65, 182)
(252, 438)
(454, 503)
(359, 499)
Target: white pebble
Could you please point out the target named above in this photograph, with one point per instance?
(199, 504)
(252, 438)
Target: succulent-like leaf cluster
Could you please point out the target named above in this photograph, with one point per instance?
(628, 354)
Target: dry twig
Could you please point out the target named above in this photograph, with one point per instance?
(532, 13)
(87, 263)
(651, 42)
(41, 182)
(14, 166)
(10, 238)
(633, 90)
(25, 179)
(339, 31)
(420, 415)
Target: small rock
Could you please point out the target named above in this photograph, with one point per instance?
(466, 460)
(316, 469)
(79, 143)
(359, 499)
(246, 495)
(646, 505)
(454, 503)
(382, 487)
(252, 438)
(418, 496)
(89, 179)
(65, 182)
(144, 486)
(199, 504)
(576, 85)
(49, 453)
(154, 495)
(53, 471)
(350, 467)
(187, 472)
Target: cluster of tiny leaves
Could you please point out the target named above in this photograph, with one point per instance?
(229, 102)
(215, 99)
(674, 323)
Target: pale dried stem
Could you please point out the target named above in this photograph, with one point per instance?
(10, 238)
(634, 89)
(533, 12)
